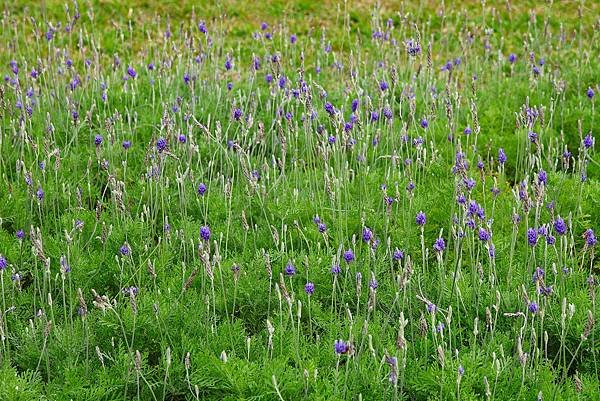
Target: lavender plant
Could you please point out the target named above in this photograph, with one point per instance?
(299, 201)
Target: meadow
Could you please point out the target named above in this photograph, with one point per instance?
(298, 200)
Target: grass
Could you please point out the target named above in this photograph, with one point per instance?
(198, 230)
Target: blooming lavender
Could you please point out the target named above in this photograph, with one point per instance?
(439, 245)
(340, 347)
(560, 226)
(125, 250)
(205, 233)
(349, 256)
(421, 219)
(476, 123)
(532, 237)
(131, 72)
(290, 269)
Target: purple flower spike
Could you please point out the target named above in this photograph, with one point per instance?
(421, 219)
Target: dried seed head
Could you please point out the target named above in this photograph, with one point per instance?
(588, 326)
(187, 362)
(138, 361)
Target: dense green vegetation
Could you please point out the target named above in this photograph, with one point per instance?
(299, 200)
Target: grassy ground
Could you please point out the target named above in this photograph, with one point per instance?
(226, 224)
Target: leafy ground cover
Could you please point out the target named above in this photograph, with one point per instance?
(299, 200)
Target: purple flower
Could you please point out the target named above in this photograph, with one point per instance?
(335, 269)
(293, 38)
(532, 237)
(560, 226)
(340, 347)
(367, 234)
(264, 26)
(64, 264)
(383, 86)
(501, 156)
(467, 131)
(533, 307)
(398, 255)
(424, 123)
(329, 108)
(512, 58)
(590, 238)
(3, 262)
(469, 183)
(228, 64)
(421, 219)
(290, 269)
(182, 138)
(205, 233)
(354, 105)
(321, 227)
(127, 291)
(542, 178)
(533, 137)
(124, 249)
(20, 234)
(374, 116)
(282, 82)
(237, 114)
(484, 235)
(98, 140)
(538, 274)
(413, 48)
(588, 141)
(126, 144)
(161, 144)
(39, 193)
(431, 308)
(373, 283)
(348, 256)
(201, 189)
(491, 251)
(590, 93)
(309, 288)
(439, 245)
(131, 72)
(388, 113)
